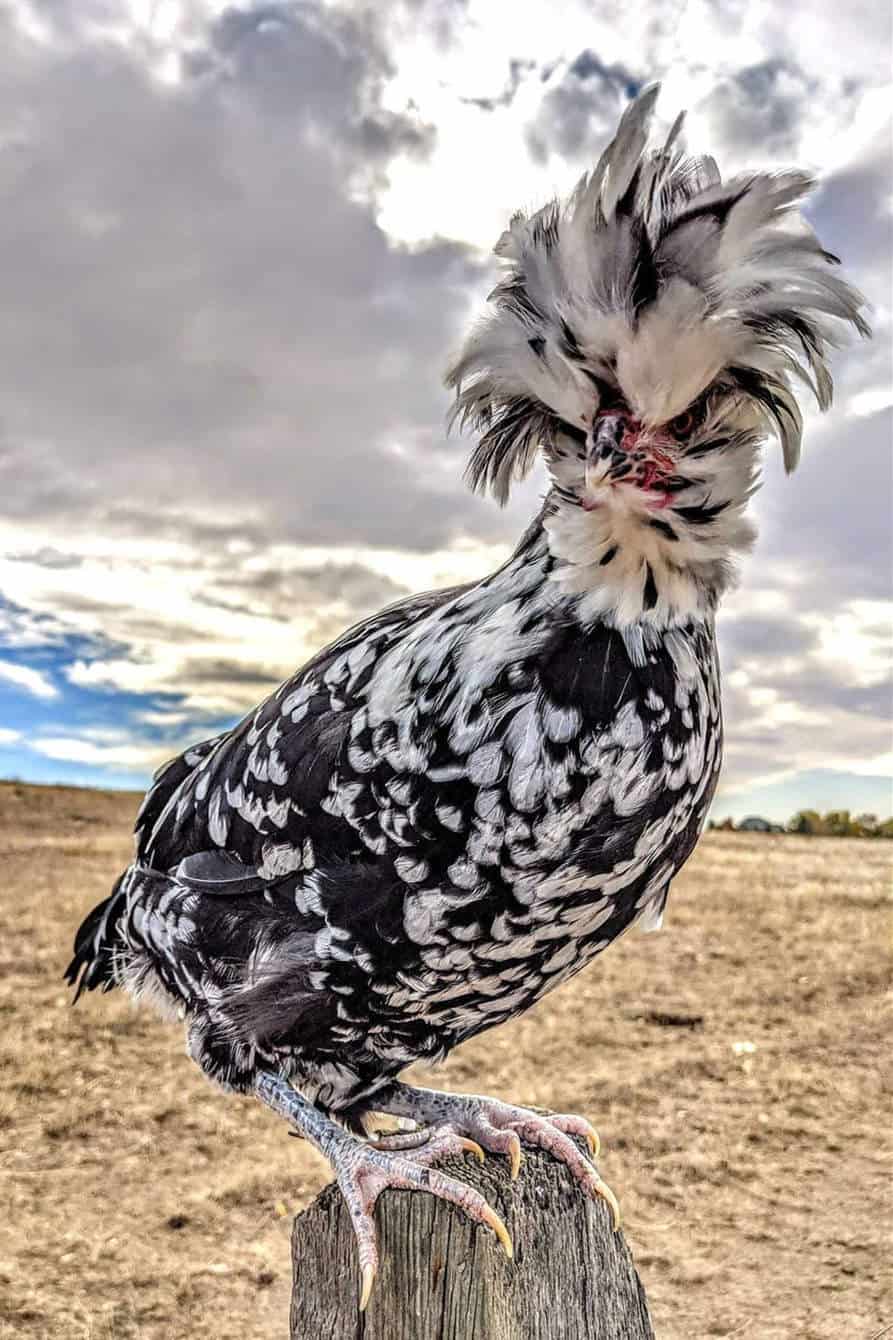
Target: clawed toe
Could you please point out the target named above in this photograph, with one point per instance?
(500, 1128)
(427, 1143)
(367, 1279)
(554, 1136)
(403, 1161)
(570, 1124)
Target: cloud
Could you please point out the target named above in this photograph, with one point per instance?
(71, 749)
(240, 316)
(853, 212)
(238, 248)
(279, 591)
(580, 106)
(762, 106)
(213, 629)
(47, 557)
(872, 401)
(518, 70)
(821, 789)
(778, 636)
(804, 690)
(29, 680)
(826, 531)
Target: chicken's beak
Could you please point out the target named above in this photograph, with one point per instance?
(604, 438)
(603, 451)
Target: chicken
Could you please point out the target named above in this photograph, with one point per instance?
(467, 797)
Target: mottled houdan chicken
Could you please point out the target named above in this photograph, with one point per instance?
(467, 797)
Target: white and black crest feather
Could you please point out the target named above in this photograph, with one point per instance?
(654, 280)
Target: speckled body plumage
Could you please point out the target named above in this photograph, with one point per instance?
(467, 797)
(438, 820)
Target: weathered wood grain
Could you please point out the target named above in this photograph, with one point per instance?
(443, 1278)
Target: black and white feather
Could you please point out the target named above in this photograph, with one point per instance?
(463, 800)
(657, 276)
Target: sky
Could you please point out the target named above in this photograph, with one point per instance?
(238, 245)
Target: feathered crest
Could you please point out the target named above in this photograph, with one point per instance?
(655, 279)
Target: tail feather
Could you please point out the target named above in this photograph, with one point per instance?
(99, 935)
(92, 964)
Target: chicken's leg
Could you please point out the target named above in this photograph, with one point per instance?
(500, 1127)
(363, 1169)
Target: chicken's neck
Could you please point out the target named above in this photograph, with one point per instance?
(614, 566)
(645, 556)
(625, 570)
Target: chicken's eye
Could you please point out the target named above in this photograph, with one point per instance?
(689, 419)
(682, 424)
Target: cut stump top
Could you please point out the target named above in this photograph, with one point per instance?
(445, 1278)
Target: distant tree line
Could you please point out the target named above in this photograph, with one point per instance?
(836, 823)
(840, 823)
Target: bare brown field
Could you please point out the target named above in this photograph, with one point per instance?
(735, 1065)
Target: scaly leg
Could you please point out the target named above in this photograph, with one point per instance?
(500, 1127)
(363, 1169)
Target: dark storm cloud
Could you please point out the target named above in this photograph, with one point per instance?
(819, 688)
(198, 304)
(578, 111)
(131, 626)
(829, 525)
(763, 636)
(759, 109)
(270, 52)
(851, 211)
(823, 729)
(221, 670)
(279, 593)
(345, 583)
(588, 66)
(266, 590)
(518, 69)
(780, 653)
(47, 557)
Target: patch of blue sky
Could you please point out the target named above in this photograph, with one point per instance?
(821, 789)
(97, 715)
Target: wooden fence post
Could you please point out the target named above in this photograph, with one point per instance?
(443, 1278)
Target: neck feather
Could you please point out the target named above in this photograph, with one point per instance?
(630, 562)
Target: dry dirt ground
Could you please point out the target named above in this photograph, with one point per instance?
(735, 1066)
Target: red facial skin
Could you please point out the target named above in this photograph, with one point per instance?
(646, 474)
